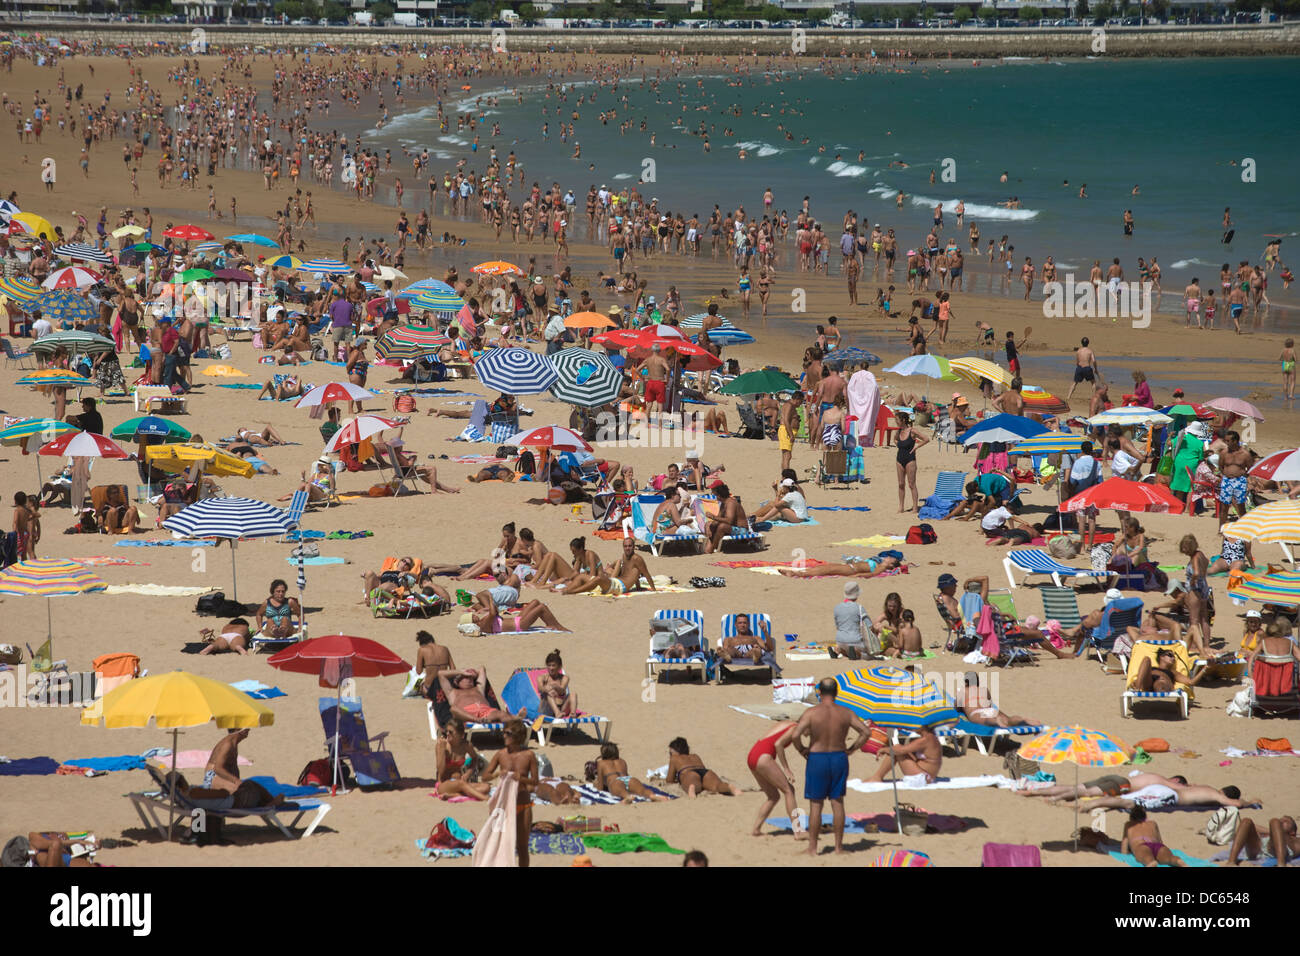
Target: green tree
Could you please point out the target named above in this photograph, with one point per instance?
(674, 15)
(1133, 10)
(962, 14)
(1030, 14)
(529, 13)
(1104, 10)
(333, 10)
(381, 11)
(817, 15)
(1081, 9)
(289, 8)
(988, 13)
(1158, 9)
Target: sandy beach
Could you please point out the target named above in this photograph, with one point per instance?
(604, 654)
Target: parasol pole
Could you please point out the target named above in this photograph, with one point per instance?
(338, 717)
(234, 577)
(1076, 808)
(893, 780)
(302, 587)
(171, 802)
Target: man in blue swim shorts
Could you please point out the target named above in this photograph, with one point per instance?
(1234, 488)
(826, 778)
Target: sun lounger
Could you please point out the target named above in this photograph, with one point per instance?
(372, 768)
(949, 488)
(155, 809)
(1180, 697)
(1061, 605)
(699, 658)
(1038, 561)
(985, 738)
(759, 625)
(150, 395)
(520, 693)
(1119, 617)
(638, 525)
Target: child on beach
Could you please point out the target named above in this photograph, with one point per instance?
(1288, 369)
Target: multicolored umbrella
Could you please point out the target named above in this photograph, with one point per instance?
(66, 305)
(497, 268)
(47, 428)
(150, 426)
(231, 519)
(974, 369)
(83, 445)
(74, 342)
(1130, 415)
(515, 371)
(425, 285)
(409, 342)
(760, 382)
(1277, 522)
(358, 429)
(81, 252)
(1275, 586)
(324, 264)
(1048, 443)
(549, 436)
(188, 232)
(894, 697)
(931, 366)
(48, 578)
(333, 392)
(1043, 402)
(284, 262)
(32, 225)
(1001, 428)
(253, 239)
(1120, 494)
(19, 289)
(54, 378)
(435, 300)
(1079, 746)
(587, 378)
(1279, 466)
(1235, 406)
(901, 858)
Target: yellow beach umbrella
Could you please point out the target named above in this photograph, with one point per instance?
(224, 371)
(1276, 522)
(177, 458)
(130, 230)
(34, 225)
(973, 369)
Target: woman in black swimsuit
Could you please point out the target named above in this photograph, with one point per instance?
(908, 440)
(688, 771)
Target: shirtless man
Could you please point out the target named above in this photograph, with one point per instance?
(730, 515)
(830, 388)
(745, 643)
(1234, 489)
(1156, 795)
(465, 694)
(222, 770)
(430, 660)
(1108, 785)
(788, 428)
(826, 778)
(1085, 367)
(656, 394)
(1192, 301)
(922, 756)
(623, 577)
(1236, 305)
(1011, 402)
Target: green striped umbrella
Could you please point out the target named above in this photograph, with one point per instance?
(1274, 587)
(152, 425)
(438, 300)
(74, 342)
(47, 428)
(55, 378)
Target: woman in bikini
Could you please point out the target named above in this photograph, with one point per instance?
(552, 570)
(557, 698)
(522, 762)
(865, 568)
(458, 764)
(1199, 595)
(889, 622)
(609, 773)
(357, 368)
(687, 770)
(1142, 839)
(275, 616)
(233, 637)
(1162, 677)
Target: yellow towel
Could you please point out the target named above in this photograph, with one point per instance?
(875, 541)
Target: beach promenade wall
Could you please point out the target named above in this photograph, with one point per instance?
(963, 44)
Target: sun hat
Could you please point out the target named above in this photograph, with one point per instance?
(852, 590)
(1254, 614)
(947, 581)
(787, 482)
(1114, 594)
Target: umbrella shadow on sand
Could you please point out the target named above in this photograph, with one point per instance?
(252, 833)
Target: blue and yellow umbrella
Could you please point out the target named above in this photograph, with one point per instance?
(47, 429)
(894, 697)
(437, 300)
(66, 305)
(1047, 444)
(19, 289)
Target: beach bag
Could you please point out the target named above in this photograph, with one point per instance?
(1065, 546)
(877, 741)
(911, 820)
(317, 773)
(404, 404)
(450, 835)
(1100, 555)
(217, 605)
(1154, 745)
(380, 491)
(1222, 825)
(223, 351)
(10, 654)
(1017, 766)
(1276, 745)
(921, 534)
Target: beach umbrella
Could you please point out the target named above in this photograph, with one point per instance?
(425, 285)
(54, 378)
(732, 336)
(587, 378)
(696, 321)
(176, 458)
(358, 429)
(1048, 443)
(697, 358)
(1235, 406)
(7, 210)
(973, 369)
(385, 274)
(1079, 746)
(761, 382)
(1001, 428)
(334, 658)
(409, 342)
(497, 268)
(48, 578)
(151, 426)
(1188, 410)
(1275, 586)
(375, 306)
(32, 224)
(46, 428)
(66, 305)
(1120, 494)
(839, 358)
(1042, 402)
(146, 247)
(549, 436)
(194, 275)
(233, 275)
(223, 371)
(1279, 466)
(1130, 415)
(254, 239)
(174, 700)
(20, 289)
(1277, 522)
(232, 519)
(205, 247)
(284, 262)
(588, 320)
(323, 264)
(188, 232)
(515, 371)
(83, 445)
(131, 229)
(435, 300)
(333, 392)
(901, 858)
(81, 252)
(75, 342)
(931, 366)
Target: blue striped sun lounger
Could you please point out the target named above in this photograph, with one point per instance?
(1038, 561)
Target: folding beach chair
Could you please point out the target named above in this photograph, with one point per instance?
(520, 693)
(1061, 605)
(610, 508)
(439, 710)
(1119, 617)
(689, 633)
(403, 474)
(111, 670)
(760, 624)
(1038, 561)
(372, 768)
(1180, 697)
(638, 526)
(746, 536)
(1274, 688)
(156, 809)
(297, 505)
(955, 633)
(751, 423)
(22, 359)
(949, 488)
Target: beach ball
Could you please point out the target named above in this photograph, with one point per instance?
(902, 858)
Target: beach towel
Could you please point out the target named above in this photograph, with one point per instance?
(105, 764)
(875, 541)
(319, 559)
(239, 385)
(191, 760)
(840, 508)
(1222, 857)
(173, 543)
(808, 563)
(158, 590)
(28, 766)
(864, 405)
(101, 560)
(943, 783)
(257, 690)
(1235, 752)
(290, 791)
(496, 843)
(1130, 860)
(778, 523)
(629, 843)
(440, 853)
(569, 844)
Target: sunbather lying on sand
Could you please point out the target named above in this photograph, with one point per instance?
(609, 773)
(1107, 785)
(233, 637)
(624, 577)
(252, 436)
(865, 568)
(1142, 839)
(465, 695)
(689, 772)
(492, 608)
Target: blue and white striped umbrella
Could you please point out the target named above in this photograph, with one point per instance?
(81, 252)
(587, 378)
(853, 355)
(515, 371)
(323, 264)
(727, 336)
(7, 210)
(205, 247)
(696, 321)
(230, 518)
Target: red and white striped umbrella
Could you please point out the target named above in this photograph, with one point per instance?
(1279, 466)
(549, 436)
(83, 445)
(71, 277)
(333, 392)
(358, 429)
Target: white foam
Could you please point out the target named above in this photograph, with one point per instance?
(453, 140)
(622, 176)
(977, 211)
(845, 170)
(1188, 263)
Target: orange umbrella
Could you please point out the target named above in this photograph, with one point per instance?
(497, 268)
(588, 320)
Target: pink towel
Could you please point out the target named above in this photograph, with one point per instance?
(984, 628)
(496, 843)
(194, 759)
